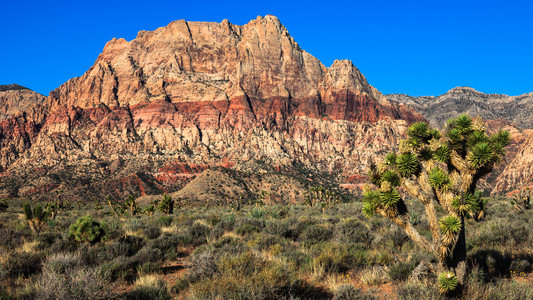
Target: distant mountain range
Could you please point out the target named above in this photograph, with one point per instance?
(515, 109)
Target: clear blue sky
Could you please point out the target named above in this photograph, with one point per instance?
(412, 47)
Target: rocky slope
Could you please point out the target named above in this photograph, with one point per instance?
(153, 112)
(512, 113)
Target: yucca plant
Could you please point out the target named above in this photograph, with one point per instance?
(448, 282)
(439, 168)
(88, 230)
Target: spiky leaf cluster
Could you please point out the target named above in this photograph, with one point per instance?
(448, 282)
(450, 225)
(389, 201)
(407, 164)
(442, 154)
(439, 179)
(467, 203)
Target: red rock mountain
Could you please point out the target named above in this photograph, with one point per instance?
(152, 112)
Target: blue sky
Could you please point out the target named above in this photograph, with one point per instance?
(412, 47)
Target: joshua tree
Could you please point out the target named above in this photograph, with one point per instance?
(437, 168)
(36, 217)
(319, 196)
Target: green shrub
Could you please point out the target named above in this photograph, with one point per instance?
(152, 232)
(247, 229)
(316, 233)
(401, 271)
(86, 229)
(352, 230)
(164, 221)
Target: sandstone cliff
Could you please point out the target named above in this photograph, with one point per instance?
(152, 112)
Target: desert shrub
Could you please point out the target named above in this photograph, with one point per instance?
(246, 276)
(152, 232)
(229, 245)
(216, 233)
(297, 258)
(204, 265)
(119, 268)
(401, 271)
(4, 295)
(86, 229)
(199, 233)
(246, 229)
(61, 263)
(374, 276)
(148, 267)
(316, 233)
(349, 292)
(352, 230)
(277, 227)
(10, 238)
(148, 254)
(65, 277)
(168, 244)
(22, 264)
(164, 221)
(248, 225)
(126, 246)
(266, 241)
(47, 239)
(227, 223)
(417, 290)
(148, 288)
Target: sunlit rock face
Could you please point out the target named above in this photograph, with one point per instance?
(199, 94)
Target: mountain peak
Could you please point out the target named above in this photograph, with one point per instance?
(463, 90)
(12, 87)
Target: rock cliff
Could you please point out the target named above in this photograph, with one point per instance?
(152, 112)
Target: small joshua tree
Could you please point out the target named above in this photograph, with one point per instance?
(166, 205)
(36, 217)
(86, 229)
(437, 168)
